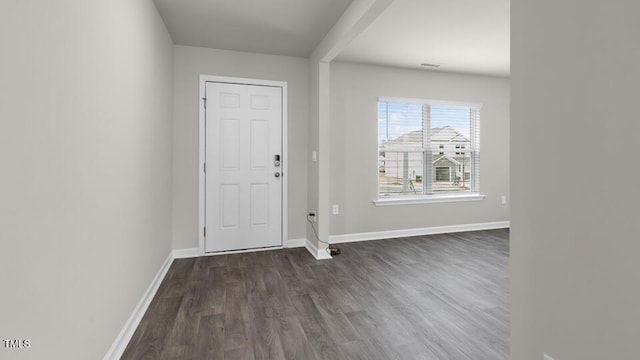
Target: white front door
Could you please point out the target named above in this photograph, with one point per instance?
(243, 178)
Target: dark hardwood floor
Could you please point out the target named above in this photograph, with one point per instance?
(424, 297)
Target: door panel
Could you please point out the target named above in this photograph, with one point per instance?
(229, 201)
(259, 204)
(230, 143)
(260, 145)
(243, 197)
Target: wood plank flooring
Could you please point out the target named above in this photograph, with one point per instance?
(424, 297)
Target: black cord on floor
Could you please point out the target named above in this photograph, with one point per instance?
(331, 250)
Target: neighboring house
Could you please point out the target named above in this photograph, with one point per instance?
(402, 158)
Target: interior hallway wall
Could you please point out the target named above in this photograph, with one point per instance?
(85, 185)
(574, 235)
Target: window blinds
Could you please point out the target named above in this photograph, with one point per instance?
(428, 147)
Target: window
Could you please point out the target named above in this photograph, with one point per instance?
(427, 148)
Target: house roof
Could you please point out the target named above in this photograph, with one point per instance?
(447, 157)
(447, 134)
(438, 135)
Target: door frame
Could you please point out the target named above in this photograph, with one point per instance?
(204, 79)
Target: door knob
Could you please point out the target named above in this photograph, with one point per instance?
(277, 174)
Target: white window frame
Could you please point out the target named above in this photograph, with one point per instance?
(472, 195)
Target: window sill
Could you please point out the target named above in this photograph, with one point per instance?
(428, 199)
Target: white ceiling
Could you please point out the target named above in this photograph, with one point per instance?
(468, 36)
(280, 27)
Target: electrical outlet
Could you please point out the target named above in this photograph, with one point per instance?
(547, 357)
(314, 156)
(312, 216)
(503, 198)
(335, 209)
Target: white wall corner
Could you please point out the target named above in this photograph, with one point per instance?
(122, 340)
(318, 254)
(185, 253)
(391, 234)
(296, 243)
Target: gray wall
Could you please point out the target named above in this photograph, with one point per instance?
(574, 243)
(354, 163)
(85, 148)
(190, 63)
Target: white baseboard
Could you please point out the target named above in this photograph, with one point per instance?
(319, 254)
(185, 253)
(378, 235)
(120, 344)
(296, 243)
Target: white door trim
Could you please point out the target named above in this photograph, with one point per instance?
(201, 152)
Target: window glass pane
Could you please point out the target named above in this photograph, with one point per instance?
(400, 173)
(400, 124)
(401, 157)
(450, 129)
(456, 118)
